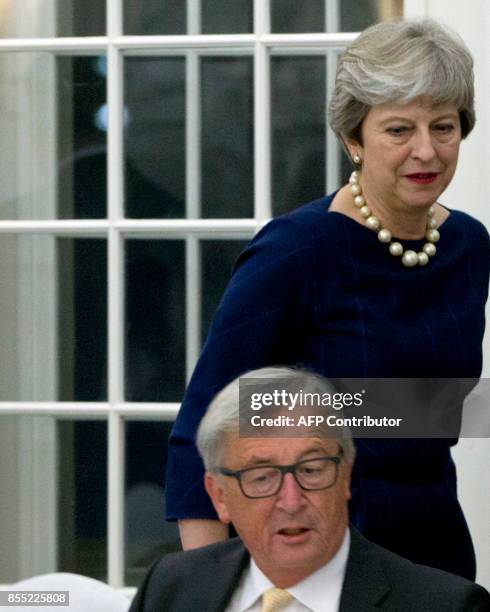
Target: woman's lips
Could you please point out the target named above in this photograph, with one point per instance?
(422, 178)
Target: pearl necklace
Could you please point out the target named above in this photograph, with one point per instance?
(409, 258)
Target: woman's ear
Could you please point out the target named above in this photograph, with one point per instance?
(353, 149)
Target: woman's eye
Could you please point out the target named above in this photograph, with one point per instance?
(397, 131)
(444, 128)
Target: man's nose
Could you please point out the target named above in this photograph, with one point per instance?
(423, 146)
(290, 497)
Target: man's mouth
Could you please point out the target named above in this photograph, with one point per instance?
(293, 531)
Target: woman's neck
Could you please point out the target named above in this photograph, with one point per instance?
(404, 224)
(408, 223)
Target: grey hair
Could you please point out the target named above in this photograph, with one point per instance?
(223, 414)
(397, 61)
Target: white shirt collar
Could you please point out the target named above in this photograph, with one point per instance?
(319, 592)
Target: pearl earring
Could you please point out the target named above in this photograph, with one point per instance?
(356, 159)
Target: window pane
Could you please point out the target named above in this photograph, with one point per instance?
(82, 137)
(294, 16)
(54, 121)
(356, 16)
(28, 497)
(155, 320)
(82, 498)
(155, 137)
(155, 17)
(230, 17)
(148, 535)
(344, 16)
(227, 137)
(82, 319)
(54, 320)
(54, 497)
(218, 257)
(23, 19)
(298, 131)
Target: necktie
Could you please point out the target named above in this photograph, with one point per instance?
(275, 599)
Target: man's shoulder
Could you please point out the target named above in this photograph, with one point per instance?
(187, 560)
(180, 581)
(405, 585)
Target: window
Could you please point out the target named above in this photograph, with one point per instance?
(143, 151)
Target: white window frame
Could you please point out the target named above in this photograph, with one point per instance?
(116, 228)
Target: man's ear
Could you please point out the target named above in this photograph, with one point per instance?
(214, 488)
(347, 478)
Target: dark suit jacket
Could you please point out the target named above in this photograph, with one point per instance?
(204, 579)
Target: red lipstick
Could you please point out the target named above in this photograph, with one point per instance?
(423, 178)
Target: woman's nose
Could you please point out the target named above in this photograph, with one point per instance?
(423, 146)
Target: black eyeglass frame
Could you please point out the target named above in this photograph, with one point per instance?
(284, 469)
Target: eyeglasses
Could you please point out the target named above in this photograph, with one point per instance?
(266, 480)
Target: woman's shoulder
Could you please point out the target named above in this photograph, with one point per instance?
(302, 222)
(469, 226)
(469, 244)
(288, 239)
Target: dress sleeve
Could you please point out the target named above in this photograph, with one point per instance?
(259, 322)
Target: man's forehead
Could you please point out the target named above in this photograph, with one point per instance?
(276, 450)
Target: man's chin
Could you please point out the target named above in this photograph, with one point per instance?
(300, 553)
(292, 565)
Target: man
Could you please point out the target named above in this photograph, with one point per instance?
(287, 497)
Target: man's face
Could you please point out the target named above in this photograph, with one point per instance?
(295, 532)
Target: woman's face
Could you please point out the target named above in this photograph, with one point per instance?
(409, 152)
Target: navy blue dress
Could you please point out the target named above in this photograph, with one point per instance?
(318, 290)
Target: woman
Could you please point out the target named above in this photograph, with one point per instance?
(358, 284)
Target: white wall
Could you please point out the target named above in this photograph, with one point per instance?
(470, 191)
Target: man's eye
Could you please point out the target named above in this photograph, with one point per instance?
(309, 470)
(261, 477)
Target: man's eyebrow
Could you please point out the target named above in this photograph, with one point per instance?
(318, 448)
(261, 460)
(258, 460)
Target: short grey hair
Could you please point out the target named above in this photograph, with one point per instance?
(395, 62)
(223, 415)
